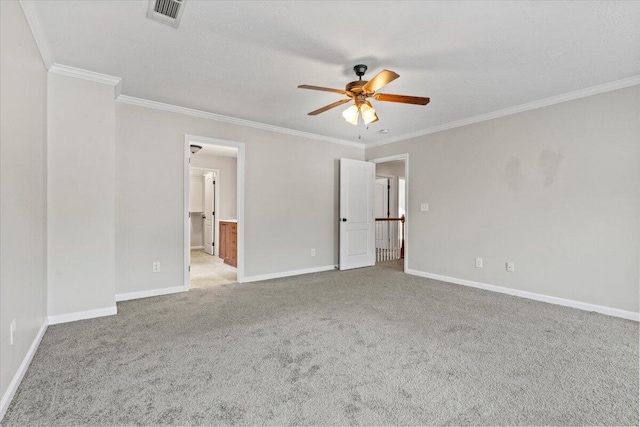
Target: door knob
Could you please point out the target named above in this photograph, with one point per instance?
(344, 219)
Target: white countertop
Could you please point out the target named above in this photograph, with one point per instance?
(229, 220)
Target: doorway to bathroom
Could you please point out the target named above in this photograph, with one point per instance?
(212, 208)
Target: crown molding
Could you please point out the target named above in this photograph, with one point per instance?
(30, 13)
(140, 102)
(582, 93)
(79, 73)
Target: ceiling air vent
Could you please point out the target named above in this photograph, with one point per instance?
(166, 11)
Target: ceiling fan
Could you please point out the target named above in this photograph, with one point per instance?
(358, 91)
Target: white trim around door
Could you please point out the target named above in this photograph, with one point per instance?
(407, 223)
(191, 139)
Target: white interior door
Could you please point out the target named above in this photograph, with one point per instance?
(357, 221)
(209, 212)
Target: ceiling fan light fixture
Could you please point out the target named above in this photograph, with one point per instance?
(351, 114)
(368, 113)
(358, 91)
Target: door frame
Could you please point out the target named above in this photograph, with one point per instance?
(405, 157)
(191, 139)
(216, 205)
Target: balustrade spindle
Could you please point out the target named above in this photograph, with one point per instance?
(389, 238)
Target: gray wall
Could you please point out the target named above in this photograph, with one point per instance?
(228, 167)
(393, 168)
(555, 190)
(291, 199)
(23, 189)
(81, 205)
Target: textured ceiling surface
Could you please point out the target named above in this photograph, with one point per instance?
(246, 59)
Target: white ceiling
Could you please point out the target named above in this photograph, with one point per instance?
(245, 59)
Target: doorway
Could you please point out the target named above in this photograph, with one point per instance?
(207, 268)
(391, 195)
(214, 198)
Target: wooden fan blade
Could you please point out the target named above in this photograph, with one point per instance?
(328, 107)
(325, 89)
(403, 99)
(381, 79)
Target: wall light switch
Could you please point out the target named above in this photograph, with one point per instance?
(478, 262)
(511, 267)
(424, 207)
(313, 252)
(156, 267)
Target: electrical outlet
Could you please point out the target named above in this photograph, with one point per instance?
(156, 267)
(511, 267)
(12, 330)
(313, 252)
(478, 262)
(424, 207)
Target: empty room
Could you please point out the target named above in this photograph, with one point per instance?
(319, 213)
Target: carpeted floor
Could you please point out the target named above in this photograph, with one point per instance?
(209, 270)
(396, 264)
(370, 346)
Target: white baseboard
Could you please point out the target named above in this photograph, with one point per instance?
(150, 293)
(616, 312)
(196, 247)
(22, 369)
(82, 315)
(288, 273)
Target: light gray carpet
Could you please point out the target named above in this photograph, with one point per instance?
(396, 264)
(370, 346)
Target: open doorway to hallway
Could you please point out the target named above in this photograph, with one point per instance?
(390, 213)
(212, 213)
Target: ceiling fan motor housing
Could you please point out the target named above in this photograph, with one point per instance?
(355, 87)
